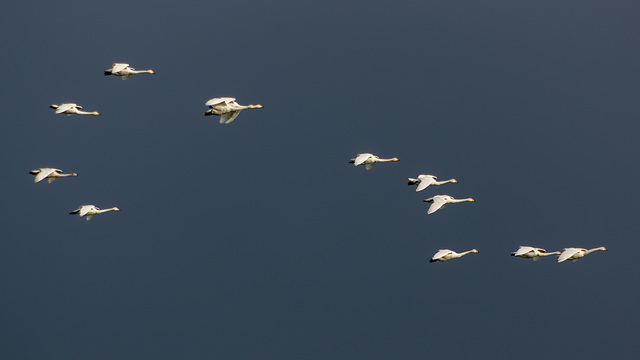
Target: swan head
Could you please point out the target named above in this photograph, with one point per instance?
(472, 200)
(74, 174)
(116, 209)
(454, 180)
(257, 106)
(152, 72)
(395, 159)
(475, 251)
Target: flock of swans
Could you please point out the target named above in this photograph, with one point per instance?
(438, 202)
(228, 110)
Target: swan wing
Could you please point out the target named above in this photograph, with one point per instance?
(117, 67)
(84, 209)
(218, 100)
(424, 183)
(44, 173)
(64, 107)
(438, 203)
(441, 253)
(523, 250)
(229, 117)
(369, 166)
(89, 217)
(361, 158)
(567, 254)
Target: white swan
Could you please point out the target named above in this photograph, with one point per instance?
(440, 201)
(227, 108)
(50, 173)
(446, 255)
(529, 252)
(576, 254)
(72, 109)
(89, 211)
(424, 181)
(125, 71)
(369, 160)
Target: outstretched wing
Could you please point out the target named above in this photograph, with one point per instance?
(44, 173)
(369, 166)
(89, 217)
(441, 253)
(438, 202)
(229, 117)
(424, 183)
(567, 253)
(117, 67)
(64, 107)
(84, 209)
(218, 100)
(361, 158)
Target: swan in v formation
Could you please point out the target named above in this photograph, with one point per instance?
(227, 108)
(440, 201)
(49, 173)
(125, 71)
(369, 160)
(575, 254)
(446, 255)
(530, 252)
(72, 109)
(424, 181)
(89, 211)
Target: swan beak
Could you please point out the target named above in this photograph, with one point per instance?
(117, 209)
(455, 181)
(396, 159)
(259, 106)
(153, 72)
(605, 249)
(473, 200)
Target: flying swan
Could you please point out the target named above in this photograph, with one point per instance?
(440, 201)
(125, 71)
(227, 108)
(424, 181)
(575, 254)
(369, 160)
(89, 211)
(72, 109)
(529, 252)
(446, 255)
(50, 173)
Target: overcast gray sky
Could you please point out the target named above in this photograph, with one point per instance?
(257, 240)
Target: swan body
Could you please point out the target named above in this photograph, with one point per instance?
(440, 201)
(89, 211)
(227, 108)
(71, 109)
(529, 252)
(50, 173)
(424, 181)
(369, 160)
(446, 255)
(575, 254)
(125, 71)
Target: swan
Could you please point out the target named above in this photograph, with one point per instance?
(576, 254)
(529, 252)
(72, 109)
(446, 255)
(89, 211)
(227, 108)
(440, 201)
(125, 71)
(369, 160)
(51, 173)
(424, 181)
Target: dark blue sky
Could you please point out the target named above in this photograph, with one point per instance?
(258, 240)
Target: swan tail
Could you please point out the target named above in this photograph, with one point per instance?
(34, 172)
(107, 72)
(352, 161)
(431, 260)
(54, 106)
(413, 181)
(74, 212)
(513, 254)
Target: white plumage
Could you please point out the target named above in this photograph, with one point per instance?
(446, 255)
(227, 108)
(575, 254)
(89, 211)
(440, 201)
(125, 71)
(369, 160)
(50, 173)
(530, 252)
(71, 109)
(424, 181)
